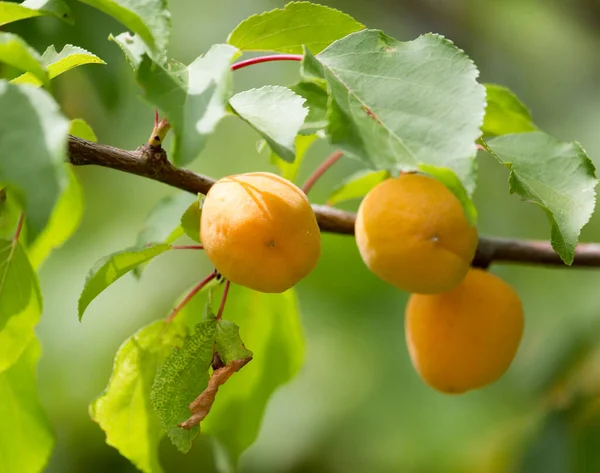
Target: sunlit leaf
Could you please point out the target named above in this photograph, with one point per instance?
(133, 47)
(10, 11)
(17, 53)
(190, 220)
(112, 267)
(290, 170)
(276, 113)
(26, 439)
(228, 343)
(81, 129)
(557, 176)
(505, 113)
(356, 186)
(37, 139)
(287, 29)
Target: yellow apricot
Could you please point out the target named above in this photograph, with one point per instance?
(411, 231)
(465, 338)
(260, 231)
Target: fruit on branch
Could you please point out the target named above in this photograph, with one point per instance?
(465, 338)
(260, 231)
(411, 231)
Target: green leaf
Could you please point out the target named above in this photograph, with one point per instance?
(393, 108)
(290, 170)
(20, 302)
(316, 102)
(37, 141)
(228, 342)
(110, 268)
(81, 129)
(10, 11)
(287, 29)
(505, 113)
(150, 19)
(270, 326)
(557, 176)
(17, 53)
(133, 47)
(124, 407)
(65, 219)
(356, 186)
(276, 113)
(163, 222)
(194, 100)
(181, 379)
(10, 212)
(26, 439)
(190, 220)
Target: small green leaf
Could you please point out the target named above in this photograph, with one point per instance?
(150, 19)
(276, 113)
(81, 129)
(287, 29)
(290, 170)
(10, 12)
(37, 140)
(112, 267)
(17, 53)
(26, 439)
(194, 100)
(163, 222)
(270, 326)
(557, 176)
(190, 220)
(391, 107)
(182, 378)
(124, 407)
(20, 302)
(65, 219)
(505, 113)
(356, 186)
(228, 342)
(316, 102)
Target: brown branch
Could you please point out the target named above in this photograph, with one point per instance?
(153, 164)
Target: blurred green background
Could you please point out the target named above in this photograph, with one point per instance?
(357, 405)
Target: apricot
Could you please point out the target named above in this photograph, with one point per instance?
(260, 231)
(465, 338)
(411, 231)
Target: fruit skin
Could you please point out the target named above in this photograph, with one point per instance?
(411, 231)
(260, 231)
(467, 337)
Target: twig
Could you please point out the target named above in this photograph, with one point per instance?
(325, 165)
(223, 300)
(261, 59)
(191, 294)
(187, 247)
(153, 164)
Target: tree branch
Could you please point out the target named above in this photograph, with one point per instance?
(153, 163)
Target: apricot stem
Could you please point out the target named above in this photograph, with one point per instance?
(223, 300)
(325, 165)
(187, 247)
(190, 295)
(261, 59)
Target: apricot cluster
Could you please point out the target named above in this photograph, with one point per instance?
(463, 326)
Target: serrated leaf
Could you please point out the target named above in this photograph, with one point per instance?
(17, 53)
(194, 100)
(270, 326)
(316, 102)
(20, 302)
(505, 113)
(124, 407)
(182, 377)
(10, 12)
(37, 140)
(356, 186)
(26, 439)
(287, 29)
(276, 113)
(290, 170)
(190, 220)
(557, 176)
(112, 267)
(150, 19)
(393, 109)
(133, 47)
(228, 342)
(81, 129)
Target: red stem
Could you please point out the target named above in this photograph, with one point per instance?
(325, 165)
(19, 227)
(187, 247)
(191, 294)
(261, 59)
(223, 300)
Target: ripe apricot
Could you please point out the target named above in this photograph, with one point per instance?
(465, 338)
(260, 231)
(411, 231)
